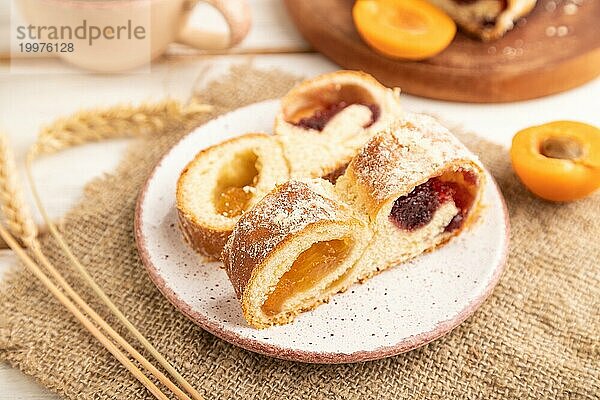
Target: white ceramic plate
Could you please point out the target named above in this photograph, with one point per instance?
(396, 311)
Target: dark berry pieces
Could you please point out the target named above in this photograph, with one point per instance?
(416, 209)
(321, 117)
(375, 113)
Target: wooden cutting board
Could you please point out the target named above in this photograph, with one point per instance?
(548, 52)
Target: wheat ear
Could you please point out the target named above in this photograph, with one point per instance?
(14, 211)
(116, 122)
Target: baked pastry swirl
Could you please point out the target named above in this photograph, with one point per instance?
(223, 181)
(324, 121)
(293, 251)
(417, 185)
(410, 189)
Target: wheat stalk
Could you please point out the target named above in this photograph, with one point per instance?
(96, 125)
(14, 212)
(22, 228)
(85, 127)
(116, 122)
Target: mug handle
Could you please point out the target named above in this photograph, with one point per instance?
(237, 16)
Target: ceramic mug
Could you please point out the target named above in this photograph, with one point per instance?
(159, 22)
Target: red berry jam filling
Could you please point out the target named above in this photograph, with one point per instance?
(321, 117)
(416, 209)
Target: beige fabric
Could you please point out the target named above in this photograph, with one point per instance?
(536, 337)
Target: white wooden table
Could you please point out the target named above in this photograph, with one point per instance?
(28, 102)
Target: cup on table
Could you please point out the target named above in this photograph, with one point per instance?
(117, 35)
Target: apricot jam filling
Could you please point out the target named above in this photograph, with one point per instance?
(315, 109)
(312, 266)
(416, 209)
(235, 184)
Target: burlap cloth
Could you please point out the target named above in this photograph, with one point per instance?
(537, 336)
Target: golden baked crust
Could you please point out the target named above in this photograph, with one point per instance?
(203, 239)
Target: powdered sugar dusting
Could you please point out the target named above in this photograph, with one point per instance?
(406, 154)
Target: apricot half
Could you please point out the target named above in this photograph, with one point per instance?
(407, 29)
(558, 161)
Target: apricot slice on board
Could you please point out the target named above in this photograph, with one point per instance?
(407, 29)
(558, 161)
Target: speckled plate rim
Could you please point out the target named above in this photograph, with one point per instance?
(410, 343)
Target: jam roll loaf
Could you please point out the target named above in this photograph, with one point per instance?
(293, 251)
(223, 181)
(486, 19)
(417, 185)
(409, 190)
(323, 122)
